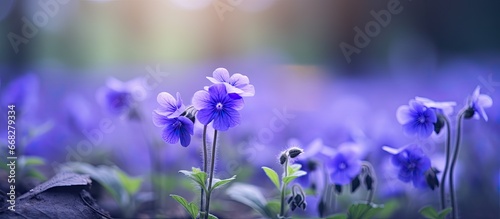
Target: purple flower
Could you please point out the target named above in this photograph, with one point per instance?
(169, 116)
(237, 83)
(170, 106)
(23, 93)
(412, 164)
(478, 102)
(219, 106)
(417, 119)
(117, 97)
(344, 167)
(445, 108)
(175, 129)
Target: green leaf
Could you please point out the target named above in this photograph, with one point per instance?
(337, 216)
(444, 212)
(190, 207)
(250, 196)
(197, 176)
(429, 212)
(221, 182)
(293, 168)
(211, 216)
(131, 184)
(274, 207)
(363, 211)
(36, 174)
(390, 207)
(293, 176)
(273, 176)
(107, 177)
(26, 161)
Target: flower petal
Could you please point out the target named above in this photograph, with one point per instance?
(221, 75)
(160, 120)
(354, 168)
(430, 115)
(340, 178)
(217, 92)
(185, 131)
(400, 159)
(405, 175)
(248, 91)
(482, 113)
(476, 93)
(410, 128)
(236, 104)
(403, 114)
(391, 150)
(484, 101)
(425, 130)
(201, 100)
(232, 89)
(167, 102)
(226, 119)
(179, 100)
(238, 80)
(206, 115)
(170, 134)
(424, 163)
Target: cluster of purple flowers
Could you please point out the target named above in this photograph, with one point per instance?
(421, 118)
(218, 104)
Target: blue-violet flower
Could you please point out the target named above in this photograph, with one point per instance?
(237, 83)
(219, 106)
(417, 119)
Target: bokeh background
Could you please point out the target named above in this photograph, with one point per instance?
(290, 51)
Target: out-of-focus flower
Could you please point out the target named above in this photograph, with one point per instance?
(170, 106)
(174, 129)
(445, 108)
(219, 106)
(344, 167)
(478, 102)
(417, 119)
(77, 112)
(23, 93)
(118, 97)
(236, 83)
(412, 164)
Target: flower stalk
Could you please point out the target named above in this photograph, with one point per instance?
(460, 118)
(205, 165)
(211, 176)
(283, 188)
(447, 162)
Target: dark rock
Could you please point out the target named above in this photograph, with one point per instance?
(64, 196)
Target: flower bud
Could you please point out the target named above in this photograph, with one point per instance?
(438, 126)
(469, 113)
(431, 178)
(283, 157)
(294, 152)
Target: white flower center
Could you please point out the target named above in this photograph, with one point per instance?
(342, 166)
(421, 119)
(219, 106)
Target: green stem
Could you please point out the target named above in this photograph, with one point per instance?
(283, 188)
(210, 179)
(453, 162)
(152, 158)
(205, 164)
(447, 162)
(328, 191)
